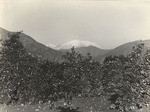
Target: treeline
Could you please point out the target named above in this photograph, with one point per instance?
(27, 79)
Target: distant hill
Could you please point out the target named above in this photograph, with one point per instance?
(35, 48)
(94, 51)
(124, 49)
(77, 44)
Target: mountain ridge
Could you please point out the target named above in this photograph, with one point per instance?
(32, 46)
(42, 51)
(124, 49)
(77, 44)
(94, 51)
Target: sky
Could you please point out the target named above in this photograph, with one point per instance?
(108, 23)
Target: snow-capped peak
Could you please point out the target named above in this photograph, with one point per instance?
(51, 46)
(77, 43)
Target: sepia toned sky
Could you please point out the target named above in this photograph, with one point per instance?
(108, 23)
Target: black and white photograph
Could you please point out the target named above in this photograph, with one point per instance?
(74, 55)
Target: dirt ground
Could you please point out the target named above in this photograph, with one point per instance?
(85, 105)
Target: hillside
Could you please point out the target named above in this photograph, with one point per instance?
(32, 46)
(39, 50)
(94, 51)
(124, 49)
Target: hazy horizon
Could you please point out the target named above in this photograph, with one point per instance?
(109, 23)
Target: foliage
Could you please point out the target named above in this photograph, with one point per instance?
(67, 109)
(50, 78)
(26, 79)
(124, 79)
(82, 75)
(16, 69)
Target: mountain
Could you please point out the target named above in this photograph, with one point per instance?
(125, 49)
(51, 46)
(83, 47)
(35, 48)
(77, 44)
(94, 51)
